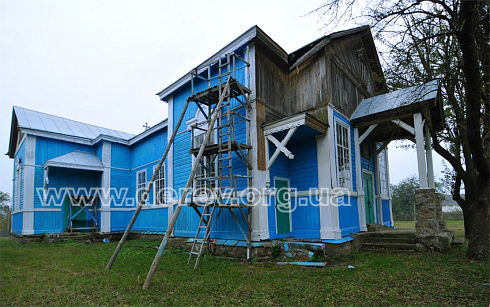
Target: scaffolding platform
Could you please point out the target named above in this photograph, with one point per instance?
(211, 96)
(213, 149)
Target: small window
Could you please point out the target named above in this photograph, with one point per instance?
(343, 154)
(159, 186)
(140, 184)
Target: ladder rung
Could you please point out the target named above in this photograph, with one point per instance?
(201, 226)
(195, 253)
(206, 214)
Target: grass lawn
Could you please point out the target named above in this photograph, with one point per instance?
(72, 274)
(457, 225)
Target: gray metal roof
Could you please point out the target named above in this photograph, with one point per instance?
(50, 123)
(78, 160)
(396, 99)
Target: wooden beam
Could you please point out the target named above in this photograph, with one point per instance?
(156, 261)
(379, 150)
(419, 142)
(148, 188)
(366, 133)
(404, 125)
(283, 143)
(280, 146)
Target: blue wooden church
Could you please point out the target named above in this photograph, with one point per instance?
(281, 145)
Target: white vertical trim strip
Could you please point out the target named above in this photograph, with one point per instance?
(170, 158)
(360, 188)
(29, 185)
(105, 223)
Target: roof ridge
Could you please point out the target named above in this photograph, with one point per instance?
(72, 120)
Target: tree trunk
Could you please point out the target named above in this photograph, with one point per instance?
(479, 227)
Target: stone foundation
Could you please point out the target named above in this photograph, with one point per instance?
(431, 233)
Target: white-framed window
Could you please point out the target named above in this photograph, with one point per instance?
(159, 186)
(383, 174)
(343, 159)
(140, 184)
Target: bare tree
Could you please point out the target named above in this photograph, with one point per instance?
(446, 40)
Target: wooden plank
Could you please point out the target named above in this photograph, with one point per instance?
(366, 133)
(261, 153)
(171, 225)
(147, 191)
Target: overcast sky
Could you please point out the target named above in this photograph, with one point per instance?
(101, 62)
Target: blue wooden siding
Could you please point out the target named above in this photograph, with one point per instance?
(17, 222)
(120, 220)
(225, 228)
(48, 222)
(386, 212)
(152, 219)
(47, 149)
(348, 215)
(122, 188)
(120, 156)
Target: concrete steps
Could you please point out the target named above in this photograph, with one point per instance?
(390, 240)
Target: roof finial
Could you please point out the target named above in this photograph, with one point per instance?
(146, 126)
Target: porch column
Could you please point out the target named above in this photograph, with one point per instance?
(419, 142)
(428, 153)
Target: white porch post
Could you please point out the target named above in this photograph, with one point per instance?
(419, 142)
(428, 153)
(360, 189)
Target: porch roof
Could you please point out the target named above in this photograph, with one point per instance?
(77, 160)
(384, 110)
(301, 119)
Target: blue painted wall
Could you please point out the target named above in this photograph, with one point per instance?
(48, 222)
(348, 215)
(386, 212)
(47, 149)
(17, 220)
(302, 172)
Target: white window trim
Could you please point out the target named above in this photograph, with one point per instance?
(383, 195)
(155, 185)
(137, 185)
(347, 126)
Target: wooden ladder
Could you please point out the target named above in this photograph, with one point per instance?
(204, 223)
